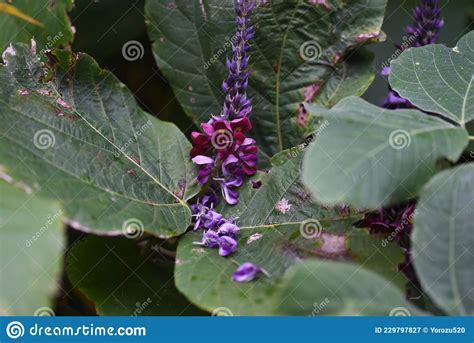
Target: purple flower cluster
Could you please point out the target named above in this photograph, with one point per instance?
(425, 30)
(222, 150)
(220, 233)
(427, 23)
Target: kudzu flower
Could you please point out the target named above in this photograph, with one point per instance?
(227, 245)
(222, 150)
(246, 272)
(236, 104)
(424, 31)
(427, 23)
(218, 232)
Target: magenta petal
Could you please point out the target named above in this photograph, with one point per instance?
(207, 128)
(201, 159)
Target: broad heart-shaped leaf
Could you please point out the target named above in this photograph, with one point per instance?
(204, 277)
(52, 28)
(438, 79)
(443, 240)
(369, 157)
(123, 278)
(330, 288)
(192, 38)
(31, 250)
(82, 139)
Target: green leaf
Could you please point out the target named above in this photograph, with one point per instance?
(204, 277)
(45, 21)
(438, 79)
(281, 225)
(282, 198)
(329, 288)
(84, 141)
(370, 157)
(443, 241)
(123, 278)
(300, 52)
(31, 248)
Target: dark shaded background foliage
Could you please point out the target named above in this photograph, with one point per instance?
(104, 26)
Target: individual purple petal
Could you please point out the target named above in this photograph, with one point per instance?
(246, 272)
(227, 245)
(210, 199)
(230, 196)
(386, 71)
(228, 229)
(204, 173)
(210, 239)
(211, 219)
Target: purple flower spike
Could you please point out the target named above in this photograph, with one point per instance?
(236, 104)
(246, 272)
(424, 31)
(427, 23)
(227, 245)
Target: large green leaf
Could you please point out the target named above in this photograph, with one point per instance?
(281, 198)
(31, 248)
(205, 277)
(82, 139)
(330, 288)
(443, 240)
(123, 278)
(438, 79)
(46, 21)
(309, 231)
(369, 157)
(301, 52)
